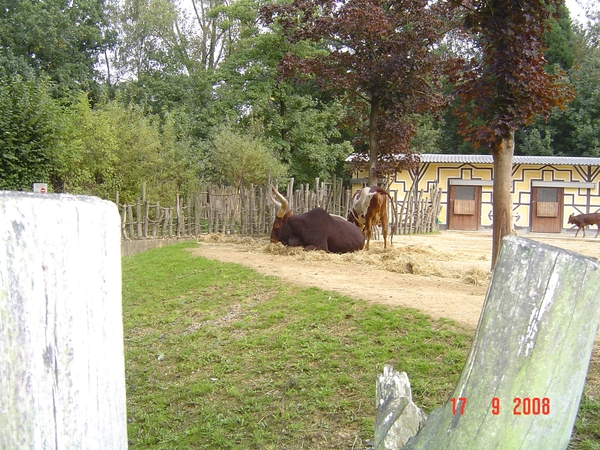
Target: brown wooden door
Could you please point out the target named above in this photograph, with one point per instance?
(546, 209)
(464, 207)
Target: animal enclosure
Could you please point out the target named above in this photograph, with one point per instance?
(249, 211)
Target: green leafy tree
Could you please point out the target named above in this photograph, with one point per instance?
(427, 136)
(301, 124)
(307, 136)
(59, 39)
(240, 159)
(237, 85)
(87, 155)
(576, 131)
(160, 36)
(145, 38)
(558, 40)
(113, 147)
(182, 165)
(534, 143)
(29, 132)
(583, 115)
(146, 154)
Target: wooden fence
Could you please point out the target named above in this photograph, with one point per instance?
(419, 211)
(249, 211)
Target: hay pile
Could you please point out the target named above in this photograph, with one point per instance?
(234, 239)
(422, 260)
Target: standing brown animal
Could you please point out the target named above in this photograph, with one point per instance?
(583, 220)
(368, 207)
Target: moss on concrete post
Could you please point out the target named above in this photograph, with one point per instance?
(522, 383)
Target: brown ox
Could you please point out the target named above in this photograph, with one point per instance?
(314, 230)
(583, 220)
(368, 208)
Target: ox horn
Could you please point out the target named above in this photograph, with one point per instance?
(283, 206)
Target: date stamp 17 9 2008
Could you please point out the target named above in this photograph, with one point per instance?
(522, 406)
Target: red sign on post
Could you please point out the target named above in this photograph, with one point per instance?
(40, 188)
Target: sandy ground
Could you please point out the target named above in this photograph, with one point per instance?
(437, 296)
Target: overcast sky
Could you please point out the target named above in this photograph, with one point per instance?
(575, 9)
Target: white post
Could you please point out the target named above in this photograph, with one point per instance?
(62, 373)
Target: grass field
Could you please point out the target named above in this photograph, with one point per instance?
(219, 357)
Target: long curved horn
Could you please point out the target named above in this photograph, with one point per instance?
(283, 206)
(275, 202)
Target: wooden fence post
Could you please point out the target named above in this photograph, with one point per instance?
(61, 334)
(123, 221)
(522, 382)
(138, 217)
(130, 214)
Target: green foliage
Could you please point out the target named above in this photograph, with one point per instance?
(533, 143)
(114, 148)
(559, 41)
(239, 158)
(87, 154)
(583, 114)
(301, 124)
(306, 134)
(576, 130)
(54, 38)
(427, 137)
(146, 41)
(150, 152)
(160, 93)
(174, 77)
(29, 122)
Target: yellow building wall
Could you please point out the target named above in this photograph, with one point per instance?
(429, 176)
(577, 200)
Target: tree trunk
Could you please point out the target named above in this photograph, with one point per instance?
(502, 200)
(373, 141)
(522, 382)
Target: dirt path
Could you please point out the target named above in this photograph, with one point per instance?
(438, 296)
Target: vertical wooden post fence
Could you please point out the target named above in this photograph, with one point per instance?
(61, 336)
(247, 211)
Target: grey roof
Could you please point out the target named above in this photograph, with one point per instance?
(487, 159)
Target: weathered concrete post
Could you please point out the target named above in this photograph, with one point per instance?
(398, 418)
(522, 382)
(61, 336)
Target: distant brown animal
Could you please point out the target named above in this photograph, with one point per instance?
(368, 207)
(314, 230)
(583, 220)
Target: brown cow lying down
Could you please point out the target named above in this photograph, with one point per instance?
(314, 230)
(583, 220)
